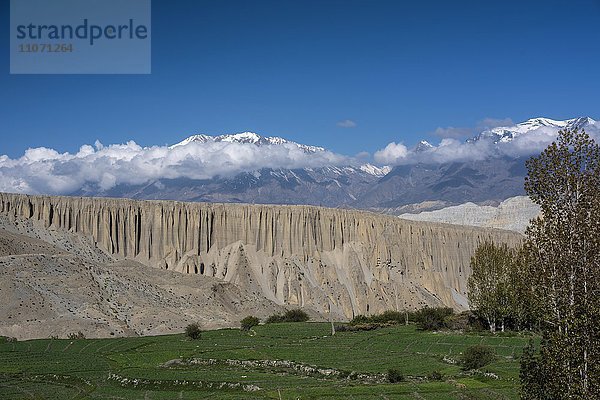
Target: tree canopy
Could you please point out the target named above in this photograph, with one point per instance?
(489, 284)
(562, 253)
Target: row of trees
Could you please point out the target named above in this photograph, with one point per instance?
(552, 282)
(194, 331)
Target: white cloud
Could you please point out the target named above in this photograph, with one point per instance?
(363, 155)
(484, 124)
(100, 167)
(347, 123)
(451, 132)
(490, 123)
(450, 149)
(532, 142)
(43, 170)
(393, 153)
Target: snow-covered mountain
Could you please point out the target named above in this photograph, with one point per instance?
(331, 185)
(504, 134)
(456, 173)
(247, 137)
(423, 145)
(250, 168)
(323, 186)
(258, 140)
(375, 170)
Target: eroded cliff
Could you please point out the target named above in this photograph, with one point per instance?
(332, 260)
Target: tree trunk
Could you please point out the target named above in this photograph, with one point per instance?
(492, 325)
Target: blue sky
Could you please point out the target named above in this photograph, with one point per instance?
(297, 68)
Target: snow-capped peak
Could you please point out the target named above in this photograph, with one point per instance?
(374, 170)
(503, 134)
(423, 145)
(193, 138)
(247, 137)
(243, 137)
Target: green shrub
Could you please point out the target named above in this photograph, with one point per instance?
(296, 315)
(394, 376)
(193, 331)
(385, 318)
(460, 321)
(249, 322)
(389, 317)
(275, 318)
(436, 376)
(433, 318)
(427, 319)
(360, 319)
(477, 356)
(354, 328)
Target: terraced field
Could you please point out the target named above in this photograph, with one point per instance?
(230, 364)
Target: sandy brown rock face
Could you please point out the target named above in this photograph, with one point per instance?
(46, 291)
(54, 295)
(14, 244)
(350, 261)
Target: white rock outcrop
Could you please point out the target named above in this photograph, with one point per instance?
(512, 214)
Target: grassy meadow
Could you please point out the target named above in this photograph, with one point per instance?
(350, 365)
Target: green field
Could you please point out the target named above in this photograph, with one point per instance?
(130, 368)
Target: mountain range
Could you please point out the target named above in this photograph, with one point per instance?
(486, 169)
(506, 134)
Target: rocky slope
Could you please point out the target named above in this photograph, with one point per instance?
(326, 186)
(512, 214)
(454, 183)
(328, 260)
(66, 285)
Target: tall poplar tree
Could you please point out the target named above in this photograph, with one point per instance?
(563, 256)
(490, 291)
